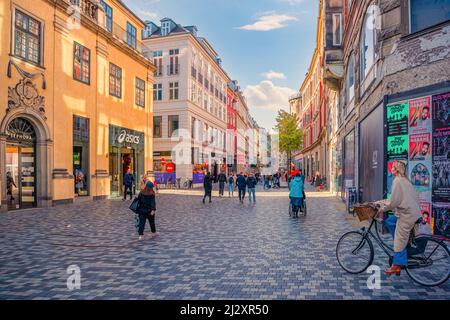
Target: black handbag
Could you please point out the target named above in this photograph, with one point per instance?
(134, 206)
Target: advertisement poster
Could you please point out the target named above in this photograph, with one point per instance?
(397, 147)
(441, 220)
(420, 115)
(397, 119)
(441, 111)
(425, 210)
(419, 147)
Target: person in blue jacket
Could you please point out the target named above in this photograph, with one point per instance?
(296, 194)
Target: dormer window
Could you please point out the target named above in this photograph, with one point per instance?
(165, 29)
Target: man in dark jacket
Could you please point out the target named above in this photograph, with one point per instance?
(222, 179)
(241, 182)
(251, 185)
(128, 181)
(208, 185)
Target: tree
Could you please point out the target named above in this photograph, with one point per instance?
(290, 135)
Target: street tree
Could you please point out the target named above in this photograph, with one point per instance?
(290, 135)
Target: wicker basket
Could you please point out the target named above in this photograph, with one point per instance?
(364, 211)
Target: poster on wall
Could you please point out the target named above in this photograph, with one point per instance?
(441, 148)
(420, 115)
(397, 147)
(397, 119)
(425, 210)
(441, 220)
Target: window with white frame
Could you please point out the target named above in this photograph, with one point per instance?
(158, 62)
(368, 40)
(165, 30)
(157, 92)
(351, 78)
(173, 90)
(337, 29)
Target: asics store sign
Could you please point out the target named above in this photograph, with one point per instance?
(124, 136)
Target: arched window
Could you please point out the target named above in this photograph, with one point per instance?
(351, 78)
(368, 40)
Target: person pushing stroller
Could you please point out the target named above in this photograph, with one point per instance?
(297, 193)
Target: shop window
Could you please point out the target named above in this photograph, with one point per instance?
(140, 92)
(426, 13)
(115, 80)
(173, 126)
(27, 38)
(81, 63)
(81, 155)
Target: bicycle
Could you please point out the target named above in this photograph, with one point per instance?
(428, 258)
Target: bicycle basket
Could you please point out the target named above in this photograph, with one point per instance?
(364, 211)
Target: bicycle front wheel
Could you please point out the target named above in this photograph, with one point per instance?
(354, 252)
(429, 265)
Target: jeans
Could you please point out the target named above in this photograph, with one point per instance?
(143, 219)
(221, 188)
(241, 194)
(207, 194)
(125, 193)
(230, 189)
(400, 258)
(251, 191)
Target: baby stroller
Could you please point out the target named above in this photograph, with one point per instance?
(296, 206)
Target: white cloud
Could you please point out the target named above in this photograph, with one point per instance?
(269, 22)
(268, 96)
(147, 14)
(273, 75)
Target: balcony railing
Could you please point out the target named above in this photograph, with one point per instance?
(87, 7)
(173, 69)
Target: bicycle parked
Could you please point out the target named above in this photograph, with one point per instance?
(428, 258)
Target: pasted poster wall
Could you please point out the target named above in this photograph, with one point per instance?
(418, 133)
(441, 166)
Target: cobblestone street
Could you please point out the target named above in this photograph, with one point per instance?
(222, 250)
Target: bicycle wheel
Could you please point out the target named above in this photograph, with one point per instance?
(354, 252)
(430, 266)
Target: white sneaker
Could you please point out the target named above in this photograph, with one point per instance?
(141, 238)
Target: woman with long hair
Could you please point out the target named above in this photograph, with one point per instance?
(404, 201)
(147, 210)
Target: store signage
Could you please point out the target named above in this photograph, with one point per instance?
(125, 136)
(19, 136)
(170, 167)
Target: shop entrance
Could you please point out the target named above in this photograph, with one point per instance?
(121, 159)
(20, 165)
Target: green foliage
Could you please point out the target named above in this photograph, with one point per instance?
(290, 136)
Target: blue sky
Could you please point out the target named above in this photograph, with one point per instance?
(266, 45)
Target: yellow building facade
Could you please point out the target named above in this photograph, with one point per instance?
(76, 102)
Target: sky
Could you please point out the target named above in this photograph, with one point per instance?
(266, 45)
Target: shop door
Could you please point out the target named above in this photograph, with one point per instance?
(120, 160)
(21, 178)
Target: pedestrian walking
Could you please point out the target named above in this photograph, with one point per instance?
(208, 185)
(231, 186)
(251, 185)
(147, 210)
(317, 181)
(222, 180)
(241, 182)
(297, 192)
(9, 185)
(128, 182)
